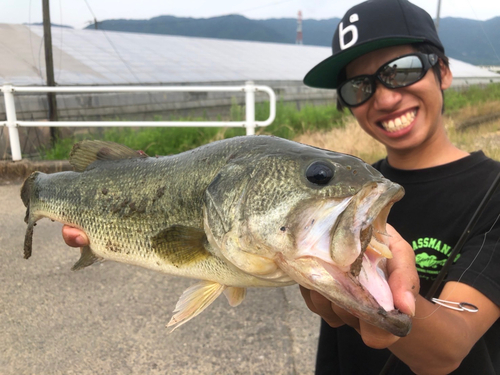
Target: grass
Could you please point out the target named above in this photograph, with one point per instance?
(455, 100)
(485, 137)
(288, 124)
(322, 126)
(351, 139)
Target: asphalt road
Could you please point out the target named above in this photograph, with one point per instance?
(110, 318)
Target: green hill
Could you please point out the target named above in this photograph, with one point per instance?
(476, 42)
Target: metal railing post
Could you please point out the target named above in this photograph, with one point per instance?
(249, 123)
(250, 107)
(10, 112)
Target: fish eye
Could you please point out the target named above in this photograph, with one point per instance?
(320, 173)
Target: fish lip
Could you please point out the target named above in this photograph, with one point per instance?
(380, 197)
(385, 201)
(371, 205)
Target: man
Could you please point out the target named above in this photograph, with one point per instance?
(389, 69)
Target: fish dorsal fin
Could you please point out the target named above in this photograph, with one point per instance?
(235, 295)
(180, 245)
(86, 152)
(193, 301)
(86, 259)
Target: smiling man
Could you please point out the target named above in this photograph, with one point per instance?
(390, 70)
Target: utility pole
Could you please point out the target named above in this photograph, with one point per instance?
(438, 15)
(49, 67)
(298, 39)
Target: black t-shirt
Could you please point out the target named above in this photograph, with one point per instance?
(438, 204)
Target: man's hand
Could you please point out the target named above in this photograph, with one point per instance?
(403, 281)
(74, 237)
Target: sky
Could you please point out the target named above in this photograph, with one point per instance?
(79, 13)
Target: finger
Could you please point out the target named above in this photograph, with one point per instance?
(375, 337)
(346, 317)
(321, 306)
(403, 277)
(307, 298)
(74, 237)
(325, 309)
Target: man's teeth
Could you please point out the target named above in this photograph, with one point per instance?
(399, 122)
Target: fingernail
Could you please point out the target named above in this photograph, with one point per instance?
(410, 302)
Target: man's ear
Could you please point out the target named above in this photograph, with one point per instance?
(446, 75)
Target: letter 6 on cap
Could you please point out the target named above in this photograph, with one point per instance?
(343, 31)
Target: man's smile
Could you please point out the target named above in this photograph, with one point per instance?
(400, 122)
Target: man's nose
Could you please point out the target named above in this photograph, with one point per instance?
(385, 98)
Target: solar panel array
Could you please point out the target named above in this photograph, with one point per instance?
(96, 57)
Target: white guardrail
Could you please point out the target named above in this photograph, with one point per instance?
(249, 123)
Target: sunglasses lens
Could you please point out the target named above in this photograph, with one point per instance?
(356, 90)
(401, 72)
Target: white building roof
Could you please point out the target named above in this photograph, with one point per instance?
(94, 57)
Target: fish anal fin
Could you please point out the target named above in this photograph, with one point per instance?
(86, 259)
(181, 245)
(235, 295)
(86, 152)
(193, 301)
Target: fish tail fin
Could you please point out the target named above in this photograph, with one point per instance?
(26, 196)
(27, 188)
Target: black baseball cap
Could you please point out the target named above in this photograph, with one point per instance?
(369, 26)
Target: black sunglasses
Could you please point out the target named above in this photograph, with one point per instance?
(401, 72)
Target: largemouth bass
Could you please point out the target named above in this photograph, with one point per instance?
(252, 211)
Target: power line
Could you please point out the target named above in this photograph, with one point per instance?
(112, 44)
(484, 32)
(38, 67)
(260, 7)
(61, 41)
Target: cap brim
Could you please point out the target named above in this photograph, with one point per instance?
(325, 74)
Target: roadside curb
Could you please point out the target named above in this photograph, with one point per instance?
(22, 169)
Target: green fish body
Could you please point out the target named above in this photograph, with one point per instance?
(252, 211)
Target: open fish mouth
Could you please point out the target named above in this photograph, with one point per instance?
(343, 249)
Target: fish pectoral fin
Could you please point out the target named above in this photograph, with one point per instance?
(86, 259)
(86, 152)
(180, 245)
(193, 301)
(235, 295)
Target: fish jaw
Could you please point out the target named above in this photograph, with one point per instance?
(346, 291)
(347, 263)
